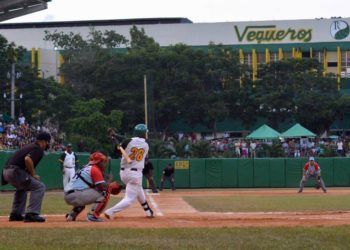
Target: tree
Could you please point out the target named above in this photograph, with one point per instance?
(89, 125)
(44, 99)
(86, 59)
(296, 90)
(195, 85)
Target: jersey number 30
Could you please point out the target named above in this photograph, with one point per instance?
(137, 154)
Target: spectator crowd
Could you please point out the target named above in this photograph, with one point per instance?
(244, 148)
(14, 135)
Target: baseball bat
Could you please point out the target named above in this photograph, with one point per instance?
(125, 155)
(113, 134)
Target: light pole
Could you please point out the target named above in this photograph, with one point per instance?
(145, 99)
(13, 76)
(12, 100)
(56, 63)
(20, 102)
(5, 96)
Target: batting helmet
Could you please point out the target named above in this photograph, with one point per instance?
(96, 158)
(140, 130)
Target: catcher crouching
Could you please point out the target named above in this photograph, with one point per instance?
(88, 186)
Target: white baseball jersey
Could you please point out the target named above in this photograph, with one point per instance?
(69, 160)
(131, 175)
(137, 149)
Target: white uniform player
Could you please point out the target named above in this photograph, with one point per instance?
(131, 174)
(68, 162)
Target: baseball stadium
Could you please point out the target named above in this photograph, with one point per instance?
(327, 40)
(182, 202)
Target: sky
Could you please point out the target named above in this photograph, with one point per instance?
(195, 10)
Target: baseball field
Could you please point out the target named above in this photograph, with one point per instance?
(194, 219)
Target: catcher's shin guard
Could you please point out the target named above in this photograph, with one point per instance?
(100, 205)
(148, 210)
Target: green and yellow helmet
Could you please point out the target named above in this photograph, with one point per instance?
(140, 130)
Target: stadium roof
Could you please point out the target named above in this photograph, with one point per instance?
(138, 21)
(14, 8)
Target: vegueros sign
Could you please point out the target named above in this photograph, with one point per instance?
(340, 30)
(270, 34)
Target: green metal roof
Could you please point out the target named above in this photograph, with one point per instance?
(341, 124)
(264, 132)
(297, 131)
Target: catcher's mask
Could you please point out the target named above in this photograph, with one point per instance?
(97, 158)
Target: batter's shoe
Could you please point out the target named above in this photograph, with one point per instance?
(149, 213)
(91, 217)
(16, 217)
(300, 191)
(109, 217)
(32, 217)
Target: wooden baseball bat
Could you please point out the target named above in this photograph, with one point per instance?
(125, 155)
(113, 134)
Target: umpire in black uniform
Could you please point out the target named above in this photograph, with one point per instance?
(168, 174)
(19, 171)
(148, 173)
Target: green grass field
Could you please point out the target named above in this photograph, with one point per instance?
(204, 238)
(256, 203)
(189, 238)
(53, 203)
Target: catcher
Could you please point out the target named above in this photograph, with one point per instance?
(88, 186)
(312, 170)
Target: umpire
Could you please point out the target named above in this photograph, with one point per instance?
(168, 174)
(148, 173)
(19, 171)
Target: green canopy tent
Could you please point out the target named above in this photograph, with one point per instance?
(297, 131)
(264, 132)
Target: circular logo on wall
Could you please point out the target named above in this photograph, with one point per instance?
(340, 30)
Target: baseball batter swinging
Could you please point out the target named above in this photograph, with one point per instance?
(312, 170)
(131, 173)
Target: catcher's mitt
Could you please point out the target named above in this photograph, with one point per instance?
(115, 188)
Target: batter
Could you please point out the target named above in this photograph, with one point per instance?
(131, 174)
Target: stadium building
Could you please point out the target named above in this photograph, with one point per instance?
(327, 40)
(258, 42)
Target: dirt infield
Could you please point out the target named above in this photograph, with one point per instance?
(173, 212)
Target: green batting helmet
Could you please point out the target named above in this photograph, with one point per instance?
(140, 130)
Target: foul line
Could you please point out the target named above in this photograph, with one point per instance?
(155, 206)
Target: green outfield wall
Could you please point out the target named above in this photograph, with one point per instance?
(214, 173)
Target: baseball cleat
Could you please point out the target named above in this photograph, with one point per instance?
(108, 216)
(70, 217)
(92, 218)
(149, 213)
